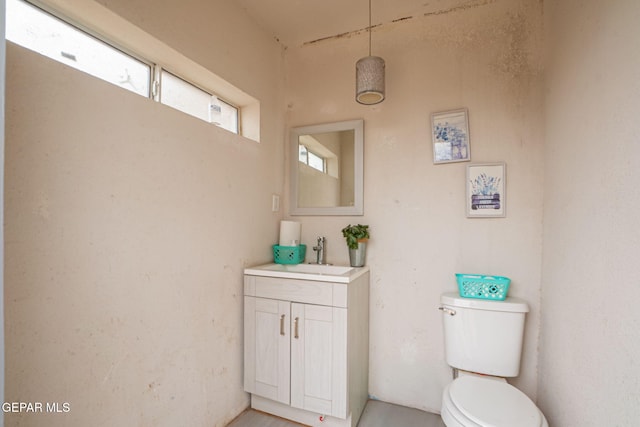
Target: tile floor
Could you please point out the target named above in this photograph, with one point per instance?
(376, 414)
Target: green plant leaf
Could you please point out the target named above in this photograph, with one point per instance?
(353, 233)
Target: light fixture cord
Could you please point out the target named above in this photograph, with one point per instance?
(369, 27)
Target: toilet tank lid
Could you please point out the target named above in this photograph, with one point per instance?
(510, 304)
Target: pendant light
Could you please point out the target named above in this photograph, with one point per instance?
(370, 76)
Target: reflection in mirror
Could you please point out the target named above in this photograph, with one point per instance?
(326, 169)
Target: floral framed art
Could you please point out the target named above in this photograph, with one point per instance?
(486, 190)
(450, 134)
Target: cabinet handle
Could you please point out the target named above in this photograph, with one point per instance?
(282, 325)
(295, 327)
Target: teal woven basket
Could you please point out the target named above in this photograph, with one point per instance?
(289, 254)
(483, 287)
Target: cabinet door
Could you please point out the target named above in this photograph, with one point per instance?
(267, 348)
(319, 359)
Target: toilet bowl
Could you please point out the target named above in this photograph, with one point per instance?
(472, 401)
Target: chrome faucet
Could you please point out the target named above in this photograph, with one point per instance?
(321, 251)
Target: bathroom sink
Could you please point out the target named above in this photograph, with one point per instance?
(324, 273)
(334, 270)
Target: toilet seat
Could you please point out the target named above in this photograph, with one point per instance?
(481, 402)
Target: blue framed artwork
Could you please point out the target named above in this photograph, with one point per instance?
(450, 133)
(486, 190)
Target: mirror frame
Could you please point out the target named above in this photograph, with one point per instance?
(358, 168)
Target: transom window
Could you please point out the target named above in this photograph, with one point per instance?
(37, 30)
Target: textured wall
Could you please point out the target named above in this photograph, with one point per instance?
(486, 57)
(590, 339)
(128, 225)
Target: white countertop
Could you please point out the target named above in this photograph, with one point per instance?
(322, 273)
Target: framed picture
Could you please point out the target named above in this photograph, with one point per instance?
(486, 190)
(450, 134)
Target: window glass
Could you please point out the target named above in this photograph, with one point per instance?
(182, 95)
(316, 161)
(43, 33)
(229, 117)
(302, 153)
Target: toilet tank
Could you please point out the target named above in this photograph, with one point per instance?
(483, 336)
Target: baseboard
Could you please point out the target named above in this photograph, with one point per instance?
(298, 415)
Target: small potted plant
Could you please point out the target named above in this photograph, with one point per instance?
(357, 237)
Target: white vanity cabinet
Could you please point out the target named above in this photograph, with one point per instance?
(306, 347)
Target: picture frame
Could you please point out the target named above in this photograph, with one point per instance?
(486, 190)
(450, 136)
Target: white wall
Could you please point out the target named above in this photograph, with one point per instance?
(2, 127)
(488, 59)
(590, 337)
(127, 226)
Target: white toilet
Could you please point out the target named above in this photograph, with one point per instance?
(483, 342)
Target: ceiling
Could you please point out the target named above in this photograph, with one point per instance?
(296, 22)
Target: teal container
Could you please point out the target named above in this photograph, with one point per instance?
(483, 287)
(289, 254)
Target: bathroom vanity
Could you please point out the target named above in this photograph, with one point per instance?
(306, 342)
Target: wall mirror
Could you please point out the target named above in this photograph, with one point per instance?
(327, 169)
